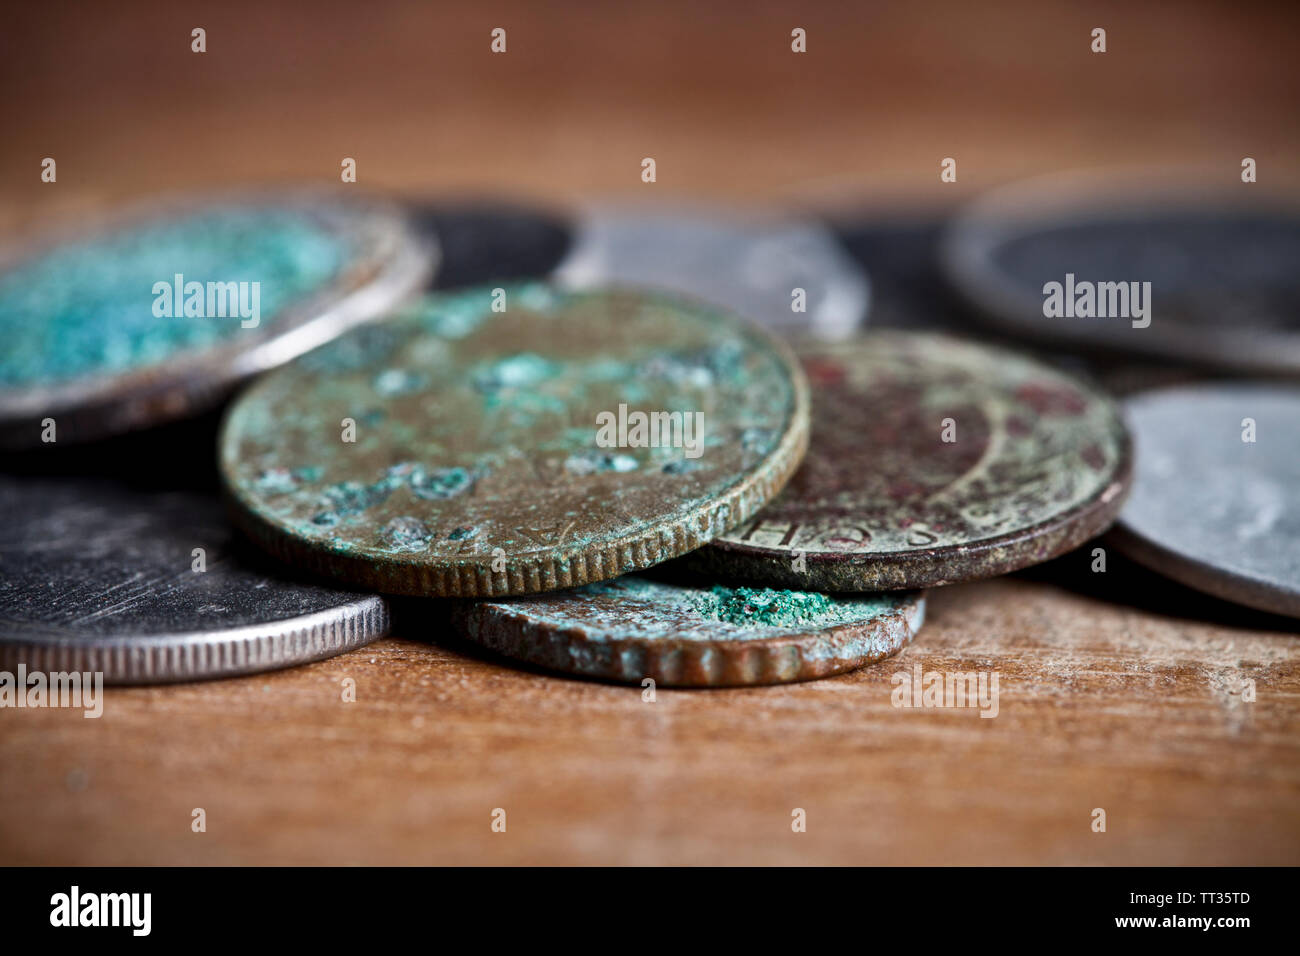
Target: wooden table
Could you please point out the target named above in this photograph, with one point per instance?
(1118, 692)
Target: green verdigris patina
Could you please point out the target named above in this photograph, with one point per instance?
(87, 308)
(488, 443)
(152, 312)
(632, 628)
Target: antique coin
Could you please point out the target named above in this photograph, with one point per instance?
(632, 628)
(155, 313)
(150, 587)
(515, 440)
(1162, 264)
(1216, 491)
(791, 277)
(933, 461)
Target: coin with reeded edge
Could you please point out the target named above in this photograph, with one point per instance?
(155, 312)
(933, 461)
(632, 628)
(790, 276)
(1216, 491)
(570, 438)
(1219, 258)
(153, 587)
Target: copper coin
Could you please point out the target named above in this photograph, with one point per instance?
(155, 312)
(933, 461)
(515, 440)
(634, 628)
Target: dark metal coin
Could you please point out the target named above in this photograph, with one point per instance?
(1222, 260)
(156, 312)
(98, 576)
(632, 628)
(488, 241)
(1216, 491)
(790, 277)
(499, 452)
(933, 461)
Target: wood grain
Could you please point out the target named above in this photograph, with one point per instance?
(1117, 692)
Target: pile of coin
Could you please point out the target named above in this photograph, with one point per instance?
(671, 453)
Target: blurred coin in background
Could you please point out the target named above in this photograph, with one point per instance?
(484, 241)
(155, 312)
(1221, 259)
(791, 277)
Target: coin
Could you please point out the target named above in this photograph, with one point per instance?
(490, 241)
(1216, 491)
(1212, 266)
(152, 587)
(154, 313)
(633, 628)
(933, 461)
(569, 438)
(790, 277)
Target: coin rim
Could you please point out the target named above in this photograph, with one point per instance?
(400, 261)
(933, 567)
(678, 662)
(208, 655)
(550, 570)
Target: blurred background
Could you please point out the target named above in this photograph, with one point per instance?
(586, 90)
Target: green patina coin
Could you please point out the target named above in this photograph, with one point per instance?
(564, 439)
(933, 461)
(633, 628)
(155, 312)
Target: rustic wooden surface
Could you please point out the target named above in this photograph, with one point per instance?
(1117, 691)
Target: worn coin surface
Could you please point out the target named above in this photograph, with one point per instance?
(568, 438)
(632, 628)
(933, 461)
(154, 313)
(1163, 264)
(150, 587)
(791, 277)
(1216, 491)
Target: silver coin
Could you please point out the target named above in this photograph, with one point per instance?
(751, 266)
(1213, 261)
(155, 312)
(1216, 495)
(151, 587)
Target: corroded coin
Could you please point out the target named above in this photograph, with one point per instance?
(933, 461)
(1216, 491)
(789, 276)
(515, 440)
(1171, 264)
(154, 313)
(150, 587)
(632, 628)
